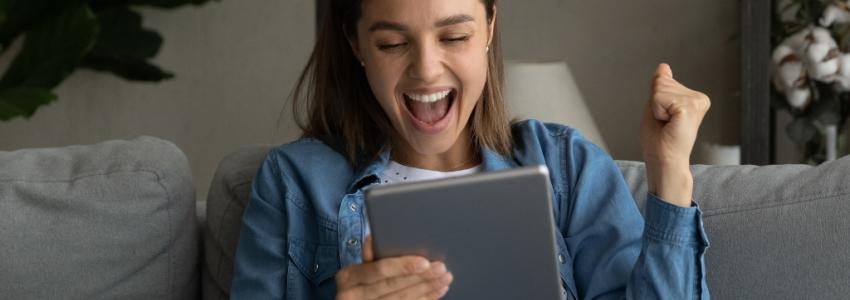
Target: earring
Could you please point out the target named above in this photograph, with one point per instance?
(487, 49)
(362, 64)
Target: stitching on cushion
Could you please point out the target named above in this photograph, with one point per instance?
(171, 229)
(745, 208)
(82, 176)
(218, 242)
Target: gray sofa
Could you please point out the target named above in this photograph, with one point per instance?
(117, 220)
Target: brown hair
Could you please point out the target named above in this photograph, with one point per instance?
(342, 111)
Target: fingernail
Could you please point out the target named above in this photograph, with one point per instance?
(421, 266)
(438, 268)
(448, 278)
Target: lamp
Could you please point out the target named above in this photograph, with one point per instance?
(547, 92)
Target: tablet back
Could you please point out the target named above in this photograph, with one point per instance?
(493, 230)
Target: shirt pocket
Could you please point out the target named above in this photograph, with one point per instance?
(316, 262)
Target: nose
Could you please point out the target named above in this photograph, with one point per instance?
(426, 63)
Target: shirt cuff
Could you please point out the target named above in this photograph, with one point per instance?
(674, 224)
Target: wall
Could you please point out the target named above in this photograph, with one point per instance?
(236, 62)
(613, 47)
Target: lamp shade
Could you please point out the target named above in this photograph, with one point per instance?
(546, 91)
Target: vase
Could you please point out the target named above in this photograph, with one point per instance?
(831, 136)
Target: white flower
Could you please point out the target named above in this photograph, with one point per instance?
(842, 79)
(798, 40)
(783, 52)
(837, 12)
(802, 39)
(799, 98)
(817, 50)
(821, 35)
(822, 61)
(791, 74)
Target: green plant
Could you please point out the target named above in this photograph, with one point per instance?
(59, 37)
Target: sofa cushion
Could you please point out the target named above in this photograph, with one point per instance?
(115, 220)
(775, 231)
(227, 199)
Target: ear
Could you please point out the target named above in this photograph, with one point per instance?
(355, 46)
(492, 26)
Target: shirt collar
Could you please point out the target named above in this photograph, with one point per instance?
(493, 161)
(371, 172)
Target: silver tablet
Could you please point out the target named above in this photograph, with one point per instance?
(493, 230)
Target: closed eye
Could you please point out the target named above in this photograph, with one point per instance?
(456, 40)
(387, 47)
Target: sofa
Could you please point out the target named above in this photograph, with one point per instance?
(119, 220)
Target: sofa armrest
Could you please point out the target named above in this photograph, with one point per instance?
(114, 220)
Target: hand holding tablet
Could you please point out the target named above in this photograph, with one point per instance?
(405, 277)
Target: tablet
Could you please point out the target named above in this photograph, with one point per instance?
(493, 230)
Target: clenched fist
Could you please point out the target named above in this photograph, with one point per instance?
(669, 129)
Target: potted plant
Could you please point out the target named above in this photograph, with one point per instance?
(811, 77)
(58, 37)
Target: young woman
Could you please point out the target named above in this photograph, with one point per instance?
(403, 90)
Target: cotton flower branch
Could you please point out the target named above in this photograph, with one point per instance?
(811, 54)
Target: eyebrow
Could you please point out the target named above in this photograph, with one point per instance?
(447, 21)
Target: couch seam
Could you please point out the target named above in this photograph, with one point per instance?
(738, 209)
(75, 178)
(231, 192)
(173, 237)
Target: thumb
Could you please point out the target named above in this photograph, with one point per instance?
(368, 255)
(664, 70)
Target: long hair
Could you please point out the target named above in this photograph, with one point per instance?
(334, 103)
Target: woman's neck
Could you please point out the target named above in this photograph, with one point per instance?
(462, 155)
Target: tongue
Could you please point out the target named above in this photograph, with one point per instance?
(429, 112)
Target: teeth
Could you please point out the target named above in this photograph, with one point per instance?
(429, 97)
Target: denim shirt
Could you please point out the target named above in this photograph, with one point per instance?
(305, 221)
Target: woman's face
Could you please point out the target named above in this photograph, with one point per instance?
(426, 62)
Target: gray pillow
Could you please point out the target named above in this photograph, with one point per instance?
(776, 232)
(229, 194)
(115, 220)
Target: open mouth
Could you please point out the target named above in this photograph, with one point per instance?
(431, 108)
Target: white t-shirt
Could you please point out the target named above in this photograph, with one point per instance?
(398, 173)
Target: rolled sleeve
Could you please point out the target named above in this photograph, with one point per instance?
(669, 223)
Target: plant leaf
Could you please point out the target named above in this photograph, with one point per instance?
(826, 110)
(154, 3)
(123, 47)
(121, 34)
(4, 7)
(23, 101)
(23, 15)
(802, 130)
(126, 67)
(52, 50)
(167, 3)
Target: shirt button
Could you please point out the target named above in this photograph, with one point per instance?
(353, 207)
(352, 243)
(316, 268)
(561, 258)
